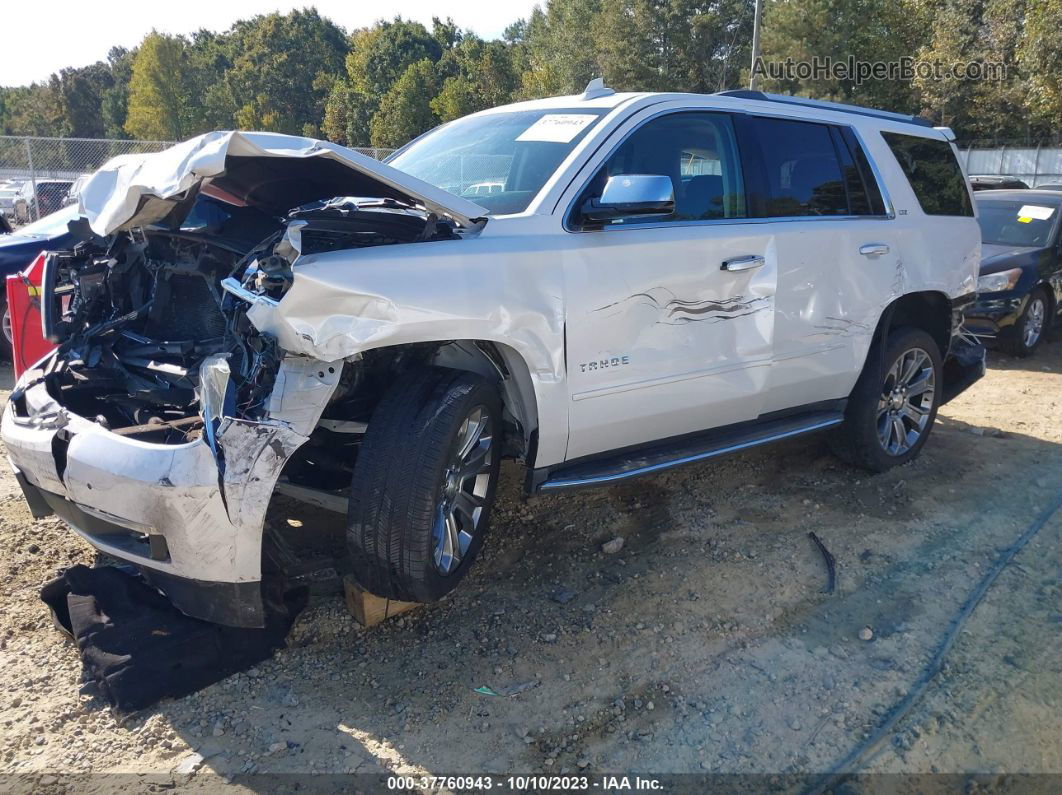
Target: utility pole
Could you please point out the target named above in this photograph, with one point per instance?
(754, 79)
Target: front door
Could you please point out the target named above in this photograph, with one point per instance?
(670, 320)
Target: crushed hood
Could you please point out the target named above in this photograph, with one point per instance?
(272, 172)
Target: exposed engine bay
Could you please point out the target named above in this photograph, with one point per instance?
(137, 314)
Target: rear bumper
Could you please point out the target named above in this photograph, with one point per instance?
(194, 530)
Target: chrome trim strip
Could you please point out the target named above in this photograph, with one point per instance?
(564, 484)
(729, 222)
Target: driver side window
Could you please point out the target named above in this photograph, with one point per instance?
(697, 152)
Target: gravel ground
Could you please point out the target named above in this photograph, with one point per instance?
(703, 643)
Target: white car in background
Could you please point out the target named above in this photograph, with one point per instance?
(651, 279)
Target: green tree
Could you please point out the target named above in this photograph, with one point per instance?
(1040, 56)
(281, 69)
(114, 105)
(561, 58)
(378, 57)
(405, 111)
(81, 94)
(866, 30)
(158, 96)
(33, 110)
(475, 75)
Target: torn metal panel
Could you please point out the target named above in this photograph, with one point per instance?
(301, 390)
(252, 456)
(267, 170)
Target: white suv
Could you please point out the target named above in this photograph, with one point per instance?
(653, 279)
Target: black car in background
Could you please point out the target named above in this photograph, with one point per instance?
(1020, 286)
(995, 182)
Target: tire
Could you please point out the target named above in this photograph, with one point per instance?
(407, 490)
(6, 345)
(1031, 327)
(869, 437)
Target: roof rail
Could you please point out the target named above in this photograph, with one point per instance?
(825, 105)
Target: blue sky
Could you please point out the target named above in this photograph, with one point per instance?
(43, 36)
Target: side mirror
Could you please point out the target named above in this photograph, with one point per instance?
(632, 194)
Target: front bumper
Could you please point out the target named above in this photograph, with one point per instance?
(193, 528)
(995, 314)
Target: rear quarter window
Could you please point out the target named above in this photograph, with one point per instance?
(934, 173)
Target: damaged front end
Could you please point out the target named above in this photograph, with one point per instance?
(160, 425)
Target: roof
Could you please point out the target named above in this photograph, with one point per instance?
(609, 101)
(761, 96)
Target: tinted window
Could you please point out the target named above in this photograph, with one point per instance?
(802, 171)
(1017, 223)
(698, 151)
(933, 172)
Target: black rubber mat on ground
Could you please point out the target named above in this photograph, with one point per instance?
(139, 648)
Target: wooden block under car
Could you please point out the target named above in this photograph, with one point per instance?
(369, 609)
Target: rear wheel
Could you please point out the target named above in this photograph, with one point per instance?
(894, 404)
(1029, 331)
(424, 484)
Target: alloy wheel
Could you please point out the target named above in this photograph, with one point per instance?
(1034, 322)
(463, 496)
(906, 401)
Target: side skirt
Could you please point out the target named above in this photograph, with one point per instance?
(631, 462)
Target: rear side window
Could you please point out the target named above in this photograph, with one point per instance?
(803, 174)
(934, 173)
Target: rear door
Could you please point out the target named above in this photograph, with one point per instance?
(837, 253)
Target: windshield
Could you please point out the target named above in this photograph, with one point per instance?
(1016, 223)
(49, 225)
(498, 160)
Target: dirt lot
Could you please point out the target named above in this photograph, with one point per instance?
(704, 644)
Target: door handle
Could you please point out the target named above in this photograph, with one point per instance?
(873, 249)
(742, 263)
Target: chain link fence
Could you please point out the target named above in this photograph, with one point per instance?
(40, 175)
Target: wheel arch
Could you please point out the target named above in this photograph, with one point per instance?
(496, 361)
(929, 310)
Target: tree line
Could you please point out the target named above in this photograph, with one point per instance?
(300, 73)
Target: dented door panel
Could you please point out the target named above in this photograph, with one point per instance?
(661, 340)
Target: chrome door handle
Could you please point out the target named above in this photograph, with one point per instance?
(742, 263)
(873, 249)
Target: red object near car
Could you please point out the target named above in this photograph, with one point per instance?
(28, 344)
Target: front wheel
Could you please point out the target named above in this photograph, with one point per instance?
(6, 339)
(424, 484)
(1028, 332)
(894, 404)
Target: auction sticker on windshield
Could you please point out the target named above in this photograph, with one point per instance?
(559, 128)
(1030, 211)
